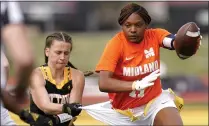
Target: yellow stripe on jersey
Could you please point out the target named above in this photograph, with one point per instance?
(48, 76)
(130, 114)
(179, 102)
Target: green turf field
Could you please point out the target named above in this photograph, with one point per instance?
(88, 47)
(191, 115)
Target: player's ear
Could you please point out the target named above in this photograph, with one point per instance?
(47, 52)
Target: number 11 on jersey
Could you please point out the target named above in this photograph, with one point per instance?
(137, 94)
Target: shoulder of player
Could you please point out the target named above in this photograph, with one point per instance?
(117, 38)
(155, 30)
(37, 75)
(116, 41)
(77, 75)
(36, 71)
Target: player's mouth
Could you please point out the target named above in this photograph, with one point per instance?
(61, 63)
(133, 37)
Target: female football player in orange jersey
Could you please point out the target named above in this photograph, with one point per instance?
(57, 86)
(129, 72)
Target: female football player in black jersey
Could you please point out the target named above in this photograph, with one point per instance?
(57, 86)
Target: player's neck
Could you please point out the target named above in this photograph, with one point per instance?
(56, 73)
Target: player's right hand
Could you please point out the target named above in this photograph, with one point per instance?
(146, 81)
(72, 109)
(35, 119)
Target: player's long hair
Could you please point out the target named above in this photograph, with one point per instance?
(133, 8)
(60, 36)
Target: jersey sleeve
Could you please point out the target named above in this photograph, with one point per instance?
(161, 34)
(165, 38)
(110, 56)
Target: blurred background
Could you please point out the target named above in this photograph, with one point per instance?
(92, 24)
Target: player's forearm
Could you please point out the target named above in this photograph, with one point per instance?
(114, 85)
(52, 108)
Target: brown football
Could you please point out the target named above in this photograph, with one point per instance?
(186, 41)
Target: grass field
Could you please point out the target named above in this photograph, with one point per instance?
(191, 115)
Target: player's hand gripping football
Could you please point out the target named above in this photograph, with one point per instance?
(199, 41)
(146, 81)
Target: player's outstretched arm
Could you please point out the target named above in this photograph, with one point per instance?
(185, 42)
(18, 45)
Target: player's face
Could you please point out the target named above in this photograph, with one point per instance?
(134, 28)
(58, 54)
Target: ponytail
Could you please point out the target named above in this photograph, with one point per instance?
(71, 65)
(86, 73)
(46, 59)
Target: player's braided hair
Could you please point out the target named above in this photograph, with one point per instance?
(60, 36)
(133, 8)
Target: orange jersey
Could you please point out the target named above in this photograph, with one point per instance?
(129, 62)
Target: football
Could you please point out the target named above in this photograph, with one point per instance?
(186, 41)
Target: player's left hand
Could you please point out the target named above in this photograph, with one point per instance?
(199, 41)
(146, 81)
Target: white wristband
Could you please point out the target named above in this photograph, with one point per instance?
(64, 117)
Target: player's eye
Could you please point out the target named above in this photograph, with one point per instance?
(128, 25)
(66, 53)
(58, 52)
(139, 25)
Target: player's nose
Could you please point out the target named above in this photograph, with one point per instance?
(62, 56)
(133, 29)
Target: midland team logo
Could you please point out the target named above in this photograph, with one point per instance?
(149, 53)
(144, 68)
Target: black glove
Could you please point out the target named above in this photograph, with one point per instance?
(35, 119)
(72, 109)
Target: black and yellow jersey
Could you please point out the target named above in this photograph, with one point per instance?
(58, 93)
